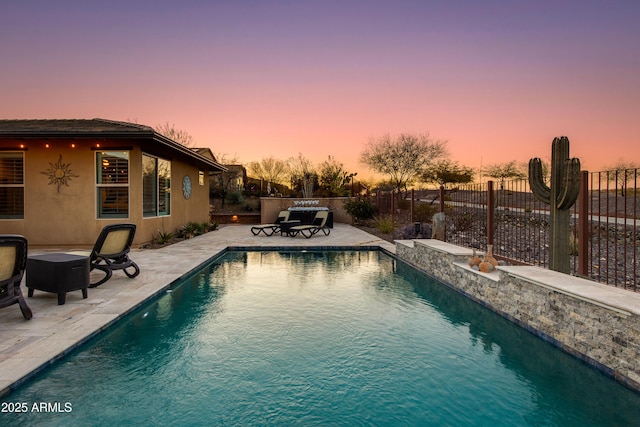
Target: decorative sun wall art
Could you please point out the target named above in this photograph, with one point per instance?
(59, 173)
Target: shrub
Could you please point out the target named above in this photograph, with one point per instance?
(193, 229)
(573, 244)
(203, 227)
(162, 238)
(235, 198)
(360, 209)
(189, 230)
(423, 212)
(404, 204)
(385, 224)
(464, 220)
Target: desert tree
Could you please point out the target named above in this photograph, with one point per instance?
(303, 175)
(504, 171)
(235, 171)
(403, 157)
(622, 173)
(333, 176)
(269, 169)
(226, 159)
(178, 135)
(230, 181)
(446, 172)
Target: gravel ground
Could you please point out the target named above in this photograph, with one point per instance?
(522, 232)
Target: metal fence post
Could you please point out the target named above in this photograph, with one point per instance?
(490, 213)
(583, 224)
(393, 205)
(444, 222)
(413, 199)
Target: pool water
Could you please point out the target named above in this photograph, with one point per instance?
(320, 338)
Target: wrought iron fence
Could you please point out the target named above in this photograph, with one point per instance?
(604, 242)
(614, 209)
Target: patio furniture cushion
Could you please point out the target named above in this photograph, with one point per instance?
(319, 224)
(13, 259)
(111, 252)
(270, 229)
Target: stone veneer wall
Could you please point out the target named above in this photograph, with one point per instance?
(564, 310)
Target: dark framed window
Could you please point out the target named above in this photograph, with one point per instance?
(11, 185)
(112, 184)
(156, 186)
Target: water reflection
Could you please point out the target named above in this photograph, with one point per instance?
(324, 331)
(557, 378)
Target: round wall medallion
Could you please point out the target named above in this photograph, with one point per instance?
(186, 186)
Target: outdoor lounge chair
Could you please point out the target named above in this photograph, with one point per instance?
(319, 224)
(269, 229)
(13, 260)
(111, 252)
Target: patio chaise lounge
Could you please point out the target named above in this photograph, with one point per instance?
(269, 229)
(319, 224)
(111, 252)
(13, 260)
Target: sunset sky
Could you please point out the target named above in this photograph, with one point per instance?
(497, 79)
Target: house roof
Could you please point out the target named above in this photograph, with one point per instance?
(96, 128)
(205, 151)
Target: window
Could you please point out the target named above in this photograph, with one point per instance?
(156, 186)
(112, 182)
(11, 186)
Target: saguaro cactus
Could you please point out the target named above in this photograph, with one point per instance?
(560, 196)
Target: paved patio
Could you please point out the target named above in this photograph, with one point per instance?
(28, 346)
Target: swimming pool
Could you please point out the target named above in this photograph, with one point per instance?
(317, 338)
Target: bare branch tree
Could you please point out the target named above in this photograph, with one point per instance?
(226, 159)
(334, 176)
(303, 175)
(622, 173)
(402, 157)
(178, 135)
(445, 172)
(269, 169)
(504, 171)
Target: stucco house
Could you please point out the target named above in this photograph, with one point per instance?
(61, 181)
